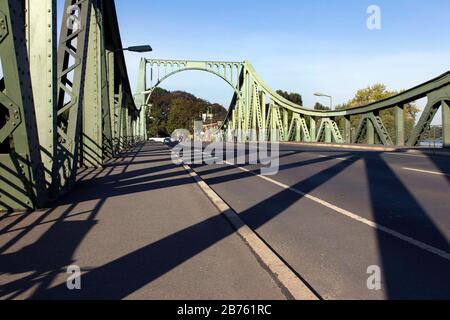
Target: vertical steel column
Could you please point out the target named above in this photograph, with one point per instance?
(347, 129)
(41, 41)
(107, 116)
(446, 123)
(144, 123)
(135, 128)
(327, 128)
(263, 110)
(298, 133)
(123, 125)
(126, 127)
(253, 134)
(370, 131)
(110, 55)
(22, 179)
(399, 114)
(274, 126)
(141, 83)
(312, 128)
(71, 73)
(247, 92)
(286, 124)
(92, 129)
(118, 111)
(140, 99)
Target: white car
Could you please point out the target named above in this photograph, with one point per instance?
(157, 139)
(161, 140)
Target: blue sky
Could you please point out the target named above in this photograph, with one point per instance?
(295, 45)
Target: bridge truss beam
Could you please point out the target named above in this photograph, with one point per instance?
(256, 110)
(61, 107)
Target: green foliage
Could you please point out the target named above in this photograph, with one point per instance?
(178, 110)
(375, 93)
(319, 106)
(293, 97)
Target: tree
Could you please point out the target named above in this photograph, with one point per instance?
(293, 97)
(180, 115)
(178, 110)
(319, 106)
(378, 92)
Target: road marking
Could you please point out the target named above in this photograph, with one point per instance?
(427, 171)
(284, 275)
(405, 154)
(337, 158)
(410, 240)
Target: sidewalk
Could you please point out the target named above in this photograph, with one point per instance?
(140, 228)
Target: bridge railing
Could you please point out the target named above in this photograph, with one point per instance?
(62, 106)
(260, 108)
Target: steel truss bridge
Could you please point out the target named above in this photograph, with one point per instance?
(258, 110)
(63, 105)
(68, 105)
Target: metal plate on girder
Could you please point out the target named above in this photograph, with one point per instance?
(14, 117)
(3, 26)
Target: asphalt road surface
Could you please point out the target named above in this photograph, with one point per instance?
(140, 228)
(337, 216)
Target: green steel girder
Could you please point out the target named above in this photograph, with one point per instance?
(40, 30)
(104, 82)
(91, 153)
(446, 122)
(248, 111)
(435, 100)
(58, 105)
(22, 179)
(160, 70)
(71, 76)
(347, 131)
(369, 124)
(328, 132)
(383, 133)
(97, 132)
(405, 97)
(107, 92)
(399, 118)
(232, 73)
(298, 129)
(278, 123)
(119, 116)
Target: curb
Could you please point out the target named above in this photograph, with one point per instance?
(344, 146)
(373, 148)
(296, 288)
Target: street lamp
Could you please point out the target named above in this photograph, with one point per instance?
(327, 96)
(141, 49)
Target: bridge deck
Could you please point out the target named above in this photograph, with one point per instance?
(139, 228)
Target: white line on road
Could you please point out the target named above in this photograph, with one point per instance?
(293, 284)
(405, 155)
(427, 171)
(337, 158)
(417, 243)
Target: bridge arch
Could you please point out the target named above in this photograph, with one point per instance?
(227, 71)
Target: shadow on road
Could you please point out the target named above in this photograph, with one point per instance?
(36, 266)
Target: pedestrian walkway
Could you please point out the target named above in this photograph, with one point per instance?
(139, 228)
